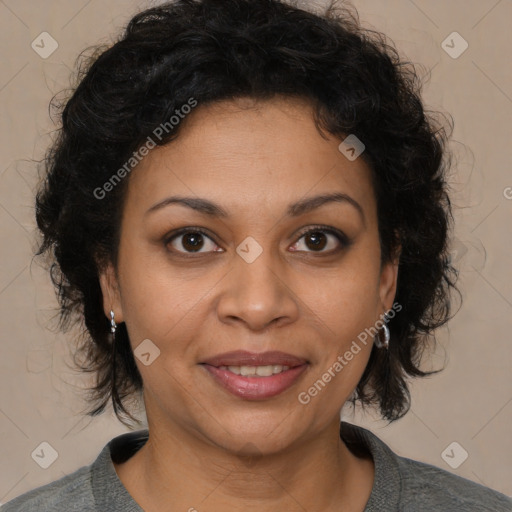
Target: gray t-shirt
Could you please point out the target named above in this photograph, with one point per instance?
(400, 484)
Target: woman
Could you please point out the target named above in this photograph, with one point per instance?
(247, 207)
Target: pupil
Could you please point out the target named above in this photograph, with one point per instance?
(193, 241)
(315, 238)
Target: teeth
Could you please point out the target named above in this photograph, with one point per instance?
(256, 371)
(264, 371)
(245, 371)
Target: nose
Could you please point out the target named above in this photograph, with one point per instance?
(258, 294)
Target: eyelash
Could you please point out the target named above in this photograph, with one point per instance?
(339, 235)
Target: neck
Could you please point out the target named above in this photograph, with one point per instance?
(175, 466)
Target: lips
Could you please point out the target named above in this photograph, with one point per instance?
(244, 358)
(223, 367)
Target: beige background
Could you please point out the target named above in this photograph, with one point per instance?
(470, 402)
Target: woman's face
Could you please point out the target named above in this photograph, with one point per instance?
(255, 281)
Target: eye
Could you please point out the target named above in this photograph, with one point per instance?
(317, 239)
(192, 240)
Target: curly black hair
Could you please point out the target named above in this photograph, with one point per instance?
(209, 51)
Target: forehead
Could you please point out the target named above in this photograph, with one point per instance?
(246, 154)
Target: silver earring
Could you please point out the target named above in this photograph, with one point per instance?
(113, 324)
(383, 343)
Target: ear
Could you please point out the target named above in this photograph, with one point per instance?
(388, 282)
(111, 295)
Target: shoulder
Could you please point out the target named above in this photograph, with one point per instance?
(89, 488)
(71, 493)
(427, 487)
(408, 485)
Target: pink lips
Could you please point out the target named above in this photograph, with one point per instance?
(255, 388)
(244, 358)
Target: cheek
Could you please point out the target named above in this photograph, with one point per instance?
(345, 309)
(347, 299)
(155, 296)
(158, 309)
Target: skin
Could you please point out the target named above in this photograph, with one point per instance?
(253, 159)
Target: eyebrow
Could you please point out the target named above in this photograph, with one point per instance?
(301, 207)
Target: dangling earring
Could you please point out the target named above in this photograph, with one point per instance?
(113, 325)
(383, 343)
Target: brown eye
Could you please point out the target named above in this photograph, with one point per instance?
(191, 241)
(317, 239)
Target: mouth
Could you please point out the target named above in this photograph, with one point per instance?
(254, 376)
(256, 371)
